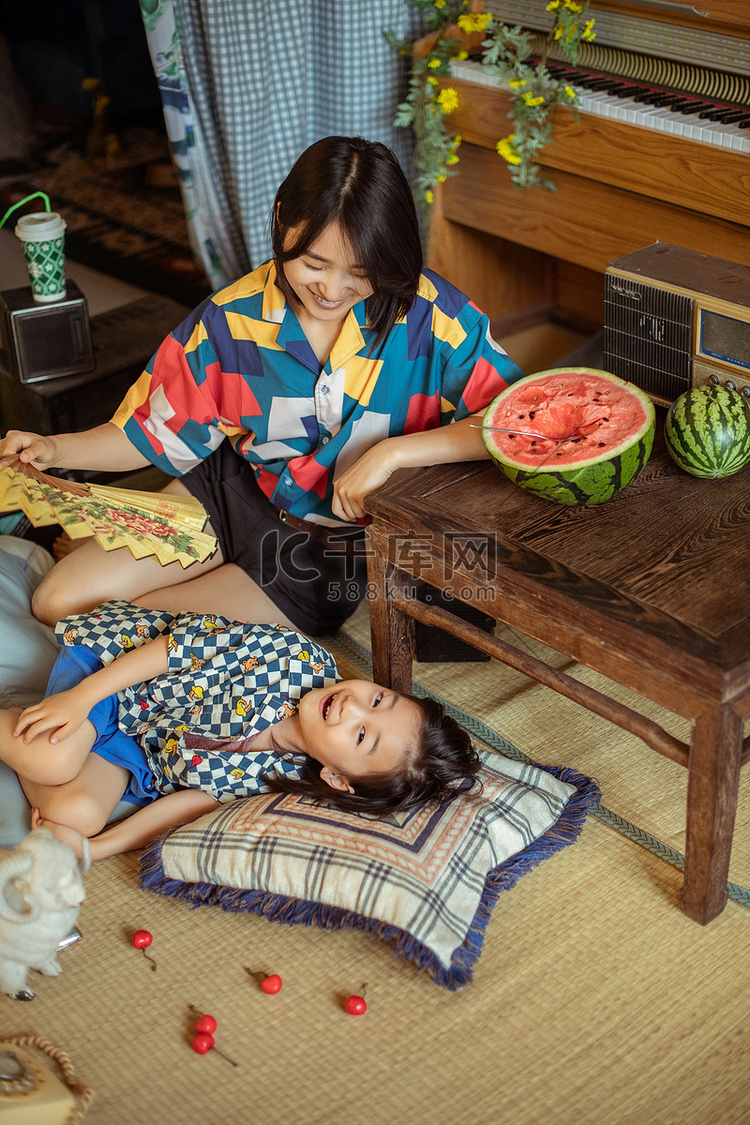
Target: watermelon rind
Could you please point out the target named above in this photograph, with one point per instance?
(599, 477)
(707, 431)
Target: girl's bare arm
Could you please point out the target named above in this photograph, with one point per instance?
(145, 824)
(63, 713)
(139, 828)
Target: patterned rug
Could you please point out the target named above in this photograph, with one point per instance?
(124, 212)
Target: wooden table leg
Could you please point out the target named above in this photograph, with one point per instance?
(391, 632)
(713, 780)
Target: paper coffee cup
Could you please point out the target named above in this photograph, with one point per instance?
(42, 235)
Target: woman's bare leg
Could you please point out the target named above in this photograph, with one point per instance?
(227, 591)
(90, 575)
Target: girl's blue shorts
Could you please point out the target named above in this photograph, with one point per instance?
(74, 664)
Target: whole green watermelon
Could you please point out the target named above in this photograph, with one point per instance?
(707, 431)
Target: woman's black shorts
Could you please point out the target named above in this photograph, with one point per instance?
(316, 582)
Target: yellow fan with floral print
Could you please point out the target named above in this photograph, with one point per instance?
(168, 528)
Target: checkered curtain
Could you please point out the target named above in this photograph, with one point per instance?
(247, 85)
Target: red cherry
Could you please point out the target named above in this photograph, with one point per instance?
(206, 1024)
(142, 938)
(203, 1042)
(271, 984)
(355, 1005)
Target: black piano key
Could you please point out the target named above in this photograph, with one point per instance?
(696, 107)
(730, 118)
(687, 105)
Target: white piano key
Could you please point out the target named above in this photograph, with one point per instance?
(657, 118)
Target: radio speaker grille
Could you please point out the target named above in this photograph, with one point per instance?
(648, 336)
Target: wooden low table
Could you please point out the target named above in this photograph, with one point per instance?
(650, 589)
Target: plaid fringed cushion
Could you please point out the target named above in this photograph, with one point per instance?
(426, 879)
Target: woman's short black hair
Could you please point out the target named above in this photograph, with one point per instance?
(360, 185)
(442, 765)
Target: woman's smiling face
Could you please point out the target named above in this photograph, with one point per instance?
(356, 728)
(326, 279)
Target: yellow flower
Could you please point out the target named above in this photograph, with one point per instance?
(452, 159)
(432, 81)
(573, 7)
(506, 148)
(447, 100)
(474, 21)
(516, 82)
(439, 3)
(553, 6)
(570, 91)
(434, 62)
(462, 55)
(428, 196)
(588, 31)
(90, 83)
(530, 100)
(441, 179)
(558, 33)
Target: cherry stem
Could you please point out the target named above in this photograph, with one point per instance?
(255, 972)
(218, 1052)
(149, 958)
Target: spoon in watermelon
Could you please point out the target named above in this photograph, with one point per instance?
(523, 433)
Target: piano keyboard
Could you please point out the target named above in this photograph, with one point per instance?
(645, 114)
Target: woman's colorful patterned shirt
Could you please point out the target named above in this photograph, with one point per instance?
(240, 367)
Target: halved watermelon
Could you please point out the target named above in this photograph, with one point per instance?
(596, 433)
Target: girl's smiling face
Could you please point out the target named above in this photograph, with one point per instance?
(355, 729)
(326, 279)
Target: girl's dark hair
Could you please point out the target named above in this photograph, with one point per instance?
(360, 185)
(444, 764)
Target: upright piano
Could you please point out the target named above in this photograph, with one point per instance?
(659, 151)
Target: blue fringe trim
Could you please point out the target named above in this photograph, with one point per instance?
(295, 912)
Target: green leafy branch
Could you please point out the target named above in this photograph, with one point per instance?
(507, 53)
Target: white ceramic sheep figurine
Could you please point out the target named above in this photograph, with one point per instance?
(41, 891)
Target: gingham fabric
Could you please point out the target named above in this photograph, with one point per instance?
(248, 85)
(240, 365)
(225, 682)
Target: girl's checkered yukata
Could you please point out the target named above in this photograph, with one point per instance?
(226, 683)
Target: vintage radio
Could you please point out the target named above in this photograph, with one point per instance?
(675, 319)
(40, 342)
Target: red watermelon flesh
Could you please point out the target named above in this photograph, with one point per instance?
(592, 412)
(580, 435)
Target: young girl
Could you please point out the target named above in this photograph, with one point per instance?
(326, 369)
(204, 710)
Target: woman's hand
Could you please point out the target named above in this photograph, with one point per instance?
(61, 714)
(460, 441)
(364, 476)
(28, 448)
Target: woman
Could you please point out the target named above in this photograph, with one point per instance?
(327, 368)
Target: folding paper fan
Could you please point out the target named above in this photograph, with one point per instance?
(170, 528)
